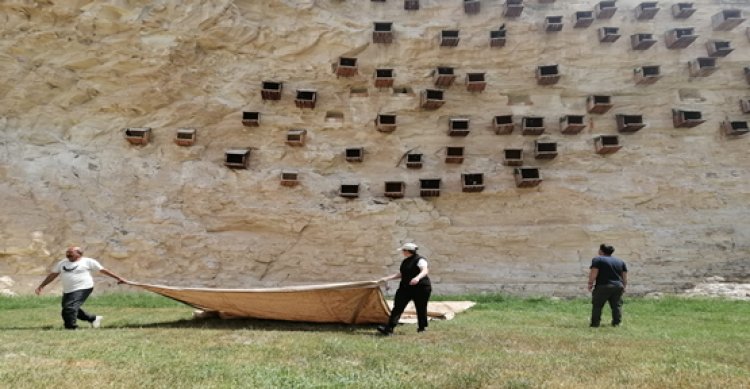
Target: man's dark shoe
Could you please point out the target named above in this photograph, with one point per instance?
(385, 330)
(421, 329)
(594, 325)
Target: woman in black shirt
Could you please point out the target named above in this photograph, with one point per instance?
(415, 286)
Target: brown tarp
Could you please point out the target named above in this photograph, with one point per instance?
(348, 302)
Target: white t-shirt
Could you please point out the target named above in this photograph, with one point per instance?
(422, 263)
(76, 275)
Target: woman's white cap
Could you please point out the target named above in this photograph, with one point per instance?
(409, 246)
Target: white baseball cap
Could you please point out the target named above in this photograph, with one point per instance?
(409, 246)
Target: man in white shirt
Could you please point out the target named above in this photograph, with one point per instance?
(77, 286)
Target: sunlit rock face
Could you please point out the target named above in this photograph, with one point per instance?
(673, 201)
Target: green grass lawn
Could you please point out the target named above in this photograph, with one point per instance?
(151, 342)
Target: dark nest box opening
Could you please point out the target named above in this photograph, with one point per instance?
(271, 90)
(449, 38)
(646, 10)
(411, 5)
(686, 119)
(472, 182)
(503, 124)
(607, 144)
(735, 127)
(583, 19)
(547, 74)
(572, 124)
(553, 23)
(349, 190)
(527, 177)
(717, 48)
(354, 154)
(296, 137)
(346, 67)
(745, 104)
(513, 157)
(475, 82)
(431, 99)
(598, 104)
(513, 8)
(385, 123)
(645, 75)
(532, 125)
(383, 78)
(138, 135)
(702, 66)
(306, 98)
(544, 149)
(443, 76)
(250, 119)
(185, 136)
(237, 158)
(429, 187)
(629, 123)
(414, 161)
(642, 41)
(382, 32)
(609, 34)
(680, 38)
(394, 189)
(727, 19)
(289, 178)
(454, 154)
(497, 38)
(605, 9)
(682, 10)
(458, 127)
(471, 7)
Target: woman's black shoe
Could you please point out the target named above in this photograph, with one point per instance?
(385, 330)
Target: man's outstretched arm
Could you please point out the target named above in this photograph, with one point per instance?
(50, 277)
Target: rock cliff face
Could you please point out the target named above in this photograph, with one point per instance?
(673, 201)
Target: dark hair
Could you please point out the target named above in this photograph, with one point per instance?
(606, 249)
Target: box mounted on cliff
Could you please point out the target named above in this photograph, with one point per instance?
(349, 190)
(414, 160)
(449, 38)
(513, 8)
(572, 124)
(607, 144)
(527, 177)
(513, 157)
(642, 41)
(702, 67)
(185, 136)
(458, 126)
(475, 82)
(296, 137)
(745, 104)
(354, 154)
(237, 158)
(472, 7)
(608, 34)
(472, 182)
(629, 123)
(598, 103)
(680, 38)
(429, 187)
(718, 48)
(497, 37)
(306, 98)
(271, 90)
(734, 127)
(137, 135)
(382, 32)
(747, 74)
(345, 67)
(685, 119)
(289, 178)
(385, 123)
(727, 19)
(443, 76)
(605, 9)
(547, 74)
(532, 125)
(431, 99)
(384, 78)
(250, 118)
(583, 19)
(682, 10)
(503, 124)
(553, 23)
(394, 189)
(646, 10)
(454, 154)
(411, 5)
(545, 149)
(648, 74)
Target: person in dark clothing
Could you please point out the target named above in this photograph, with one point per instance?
(608, 277)
(415, 286)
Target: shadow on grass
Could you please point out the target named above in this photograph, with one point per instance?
(251, 324)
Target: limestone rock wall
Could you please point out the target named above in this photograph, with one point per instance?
(674, 202)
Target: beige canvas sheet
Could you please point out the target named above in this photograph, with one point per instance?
(347, 302)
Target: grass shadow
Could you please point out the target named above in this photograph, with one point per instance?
(251, 324)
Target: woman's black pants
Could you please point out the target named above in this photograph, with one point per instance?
(417, 293)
